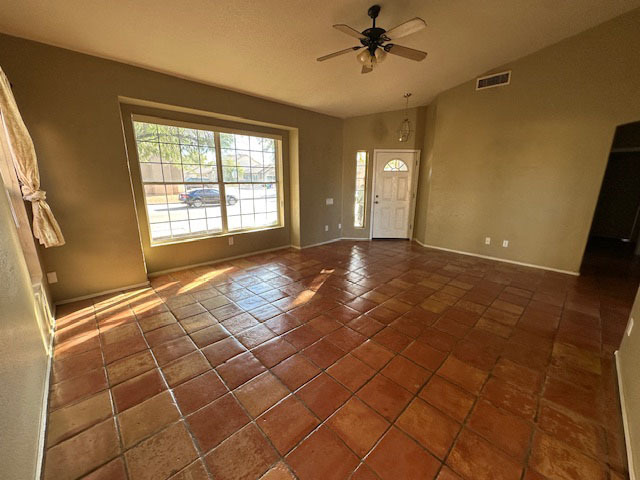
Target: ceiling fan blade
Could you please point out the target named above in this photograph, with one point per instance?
(338, 53)
(366, 69)
(352, 32)
(407, 28)
(406, 52)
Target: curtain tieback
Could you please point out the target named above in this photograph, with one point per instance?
(33, 196)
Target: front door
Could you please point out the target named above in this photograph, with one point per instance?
(393, 193)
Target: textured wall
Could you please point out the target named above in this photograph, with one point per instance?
(525, 162)
(629, 366)
(23, 357)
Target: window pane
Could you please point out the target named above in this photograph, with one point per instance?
(172, 173)
(151, 172)
(248, 206)
(269, 159)
(160, 231)
(148, 152)
(146, 132)
(230, 174)
(360, 190)
(395, 165)
(168, 134)
(268, 145)
(206, 138)
(243, 158)
(179, 172)
(242, 142)
(207, 156)
(189, 154)
(209, 174)
(170, 153)
(188, 136)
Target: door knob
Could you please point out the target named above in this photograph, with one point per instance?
(375, 201)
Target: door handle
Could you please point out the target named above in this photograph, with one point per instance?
(375, 201)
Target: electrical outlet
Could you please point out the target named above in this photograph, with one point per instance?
(339, 226)
(505, 243)
(630, 327)
(326, 228)
(329, 201)
(487, 240)
(230, 240)
(52, 277)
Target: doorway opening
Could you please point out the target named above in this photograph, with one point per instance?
(395, 177)
(613, 248)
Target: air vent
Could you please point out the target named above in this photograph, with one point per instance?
(494, 80)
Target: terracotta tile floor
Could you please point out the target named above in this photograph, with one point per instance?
(357, 360)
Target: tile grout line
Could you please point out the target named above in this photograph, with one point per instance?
(413, 340)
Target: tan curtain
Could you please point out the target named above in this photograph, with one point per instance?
(45, 226)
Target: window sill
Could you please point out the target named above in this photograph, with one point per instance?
(174, 241)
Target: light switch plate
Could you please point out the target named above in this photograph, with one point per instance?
(329, 201)
(505, 243)
(487, 240)
(230, 240)
(52, 277)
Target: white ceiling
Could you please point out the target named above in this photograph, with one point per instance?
(268, 48)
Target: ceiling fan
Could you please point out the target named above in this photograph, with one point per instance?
(374, 41)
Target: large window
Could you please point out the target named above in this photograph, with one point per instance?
(199, 182)
(361, 189)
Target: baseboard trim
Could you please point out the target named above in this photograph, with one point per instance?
(302, 247)
(105, 292)
(44, 416)
(625, 421)
(497, 259)
(350, 239)
(220, 260)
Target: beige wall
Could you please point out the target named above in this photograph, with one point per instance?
(367, 133)
(69, 102)
(525, 162)
(628, 368)
(23, 357)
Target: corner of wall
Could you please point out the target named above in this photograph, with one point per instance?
(294, 180)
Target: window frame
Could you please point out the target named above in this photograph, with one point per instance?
(220, 183)
(364, 190)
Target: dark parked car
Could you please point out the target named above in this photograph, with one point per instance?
(197, 198)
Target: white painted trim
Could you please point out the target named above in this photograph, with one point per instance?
(497, 259)
(357, 239)
(414, 187)
(302, 247)
(105, 292)
(44, 413)
(220, 260)
(625, 421)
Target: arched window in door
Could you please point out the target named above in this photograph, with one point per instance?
(395, 165)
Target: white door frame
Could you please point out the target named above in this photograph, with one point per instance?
(414, 186)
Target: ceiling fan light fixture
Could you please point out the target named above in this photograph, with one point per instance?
(365, 58)
(380, 55)
(374, 40)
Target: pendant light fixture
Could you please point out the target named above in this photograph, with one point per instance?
(404, 132)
